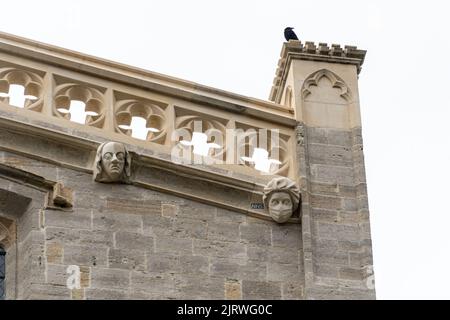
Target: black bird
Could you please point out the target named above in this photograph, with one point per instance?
(289, 34)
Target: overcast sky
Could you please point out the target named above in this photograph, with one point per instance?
(235, 45)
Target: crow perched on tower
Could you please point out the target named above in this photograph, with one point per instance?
(289, 34)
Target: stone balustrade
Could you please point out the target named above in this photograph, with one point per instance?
(83, 101)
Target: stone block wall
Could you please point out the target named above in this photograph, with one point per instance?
(336, 226)
(134, 243)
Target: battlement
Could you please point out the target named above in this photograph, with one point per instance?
(310, 51)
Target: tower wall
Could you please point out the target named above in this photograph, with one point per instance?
(335, 214)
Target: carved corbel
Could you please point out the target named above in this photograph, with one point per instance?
(281, 198)
(112, 163)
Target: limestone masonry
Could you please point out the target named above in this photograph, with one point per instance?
(121, 183)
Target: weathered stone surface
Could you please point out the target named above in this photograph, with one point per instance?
(189, 228)
(223, 231)
(133, 241)
(325, 215)
(233, 290)
(238, 269)
(28, 222)
(349, 204)
(338, 231)
(77, 294)
(163, 263)
(334, 293)
(259, 290)
(223, 216)
(332, 174)
(87, 199)
(173, 244)
(335, 258)
(200, 287)
(110, 278)
(48, 292)
(326, 202)
(255, 234)
(169, 210)
(198, 211)
(330, 155)
(117, 221)
(329, 136)
(232, 250)
(325, 189)
(147, 283)
(54, 253)
(106, 294)
(273, 254)
(79, 237)
(293, 290)
(57, 274)
(126, 259)
(157, 225)
(283, 272)
(85, 255)
(288, 236)
(132, 206)
(348, 217)
(194, 264)
(326, 270)
(351, 273)
(317, 135)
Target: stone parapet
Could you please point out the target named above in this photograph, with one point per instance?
(113, 95)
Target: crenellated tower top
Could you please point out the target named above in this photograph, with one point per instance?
(322, 52)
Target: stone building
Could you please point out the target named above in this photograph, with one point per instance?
(121, 183)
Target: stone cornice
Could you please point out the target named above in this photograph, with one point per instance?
(322, 52)
(151, 170)
(141, 78)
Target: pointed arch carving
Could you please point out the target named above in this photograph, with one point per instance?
(336, 82)
(289, 97)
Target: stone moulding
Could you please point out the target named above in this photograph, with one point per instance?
(57, 196)
(114, 95)
(84, 93)
(151, 81)
(149, 172)
(336, 82)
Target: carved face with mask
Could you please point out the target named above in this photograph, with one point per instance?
(281, 197)
(280, 206)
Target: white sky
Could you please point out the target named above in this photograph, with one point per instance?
(235, 45)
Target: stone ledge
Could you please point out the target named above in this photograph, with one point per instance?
(151, 170)
(153, 81)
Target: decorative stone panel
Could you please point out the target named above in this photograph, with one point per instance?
(153, 113)
(31, 81)
(90, 96)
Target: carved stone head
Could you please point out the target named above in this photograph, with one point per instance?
(112, 163)
(281, 197)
